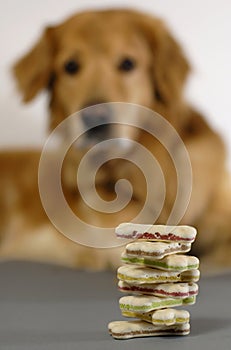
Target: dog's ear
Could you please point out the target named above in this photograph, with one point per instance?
(169, 64)
(33, 71)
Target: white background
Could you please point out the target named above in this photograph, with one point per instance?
(203, 27)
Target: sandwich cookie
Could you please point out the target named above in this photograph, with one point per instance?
(140, 275)
(165, 317)
(158, 277)
(168, 263)
(172, 290)
(156, 232)
(156, 250)
(135, 329)
(146, 303)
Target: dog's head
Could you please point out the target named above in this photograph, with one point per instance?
(105, 56)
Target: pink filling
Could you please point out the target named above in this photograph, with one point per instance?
(159, 291)
(156, 235)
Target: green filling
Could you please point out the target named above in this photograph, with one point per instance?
(153, 305)
(145, 261)
(189, 300)
(149, 279)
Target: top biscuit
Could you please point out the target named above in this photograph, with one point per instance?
(156, 232)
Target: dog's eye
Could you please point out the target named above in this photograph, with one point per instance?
(126, 65)
(71, 67)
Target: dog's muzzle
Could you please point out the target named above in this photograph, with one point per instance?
(96, 122)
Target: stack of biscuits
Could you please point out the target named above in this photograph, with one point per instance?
(159, 276)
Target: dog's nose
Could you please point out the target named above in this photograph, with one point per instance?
(96, 119)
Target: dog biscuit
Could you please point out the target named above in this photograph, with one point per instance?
(173, 290)
(161, 317)
(156, 232)
(134, 329)
(168, 263)
(146, 303)
(156, 250)
(139, 275)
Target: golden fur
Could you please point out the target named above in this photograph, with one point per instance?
(100, 40)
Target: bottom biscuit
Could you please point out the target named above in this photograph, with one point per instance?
(135, 329)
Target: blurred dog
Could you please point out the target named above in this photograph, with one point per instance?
(99, 57)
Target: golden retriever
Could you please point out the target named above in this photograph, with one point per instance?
(100, 57)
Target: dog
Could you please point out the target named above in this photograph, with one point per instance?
(92, 59)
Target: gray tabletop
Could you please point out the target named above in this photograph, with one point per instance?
(50, 307)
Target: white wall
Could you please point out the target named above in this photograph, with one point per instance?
(203, 28)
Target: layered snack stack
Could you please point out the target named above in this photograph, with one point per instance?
(159, 276)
